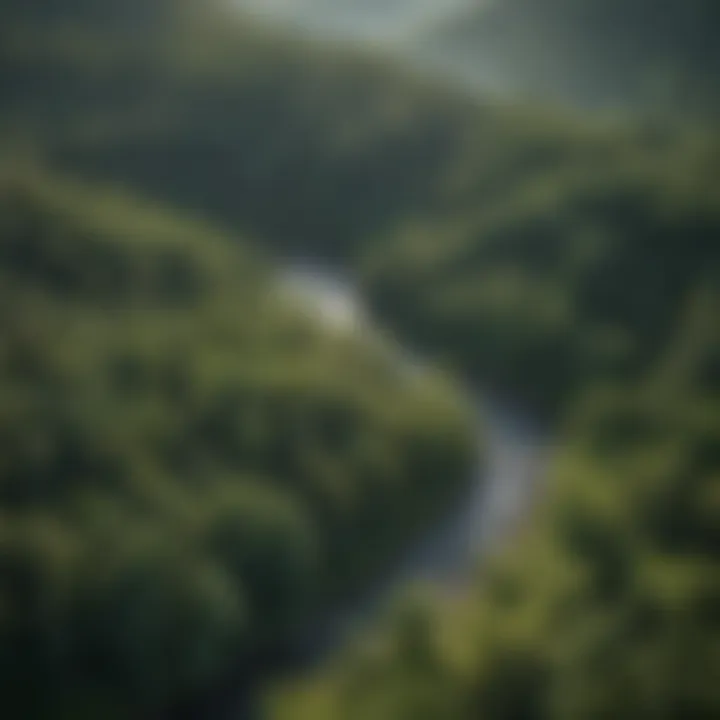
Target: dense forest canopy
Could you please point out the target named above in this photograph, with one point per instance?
(183, 447)
(578, 277)
(218, 115)
(607, 605)
(193, 467)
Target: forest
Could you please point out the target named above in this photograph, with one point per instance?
(195, 470)
(184, 448)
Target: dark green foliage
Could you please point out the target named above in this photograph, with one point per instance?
(191, 469)
(607, 605)
(210, 113)
(313, 150)
(574, 278)
(190, 466)
(512, 244)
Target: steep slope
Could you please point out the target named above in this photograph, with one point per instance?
(311, 149)
(549, 259)
(192, 468)
(575, 277)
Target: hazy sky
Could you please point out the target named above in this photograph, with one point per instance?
(362, 19)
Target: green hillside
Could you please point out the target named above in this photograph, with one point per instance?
(606, 606)
(182, 447)
(192, 467)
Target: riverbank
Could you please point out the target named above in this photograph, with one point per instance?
(445, 560)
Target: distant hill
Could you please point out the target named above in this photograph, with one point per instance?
(646, 54)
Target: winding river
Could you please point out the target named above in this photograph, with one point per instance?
(446, 559)
(516, 450)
